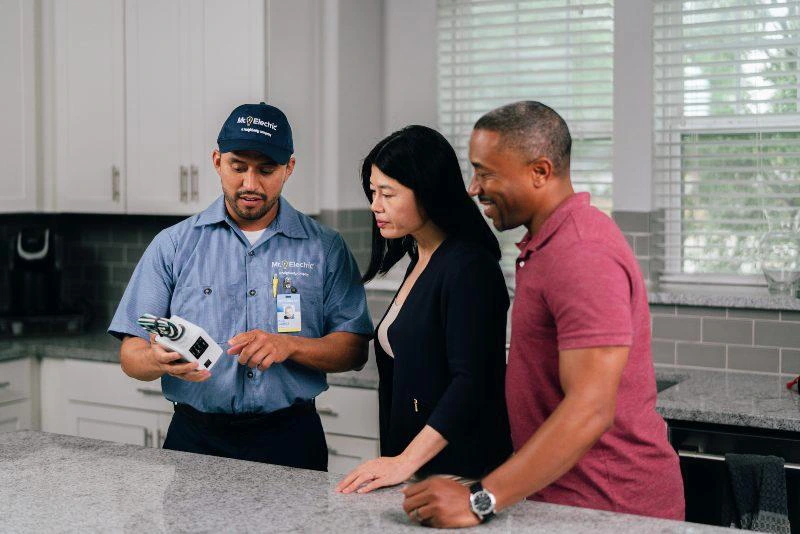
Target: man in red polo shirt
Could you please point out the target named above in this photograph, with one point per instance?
(580, 385)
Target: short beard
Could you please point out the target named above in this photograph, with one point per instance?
(250, 215)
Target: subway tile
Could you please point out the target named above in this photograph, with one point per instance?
(701, 355)
(738, 331)
(361, 219)
(122, 273)
(775, 334)
(790, 361)
(790, 316)
(753, 359)
(766, 315)
(632, 221)
(96, 274)
(663, 351)
(133, 253)
(109, 254)
(644, 266)
(631, 241)
(700, 311)
(678, 328)
(662, 309)
(642, 245)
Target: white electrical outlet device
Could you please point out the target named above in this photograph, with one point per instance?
(187, 339)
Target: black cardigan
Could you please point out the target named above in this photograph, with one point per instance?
(449, 366)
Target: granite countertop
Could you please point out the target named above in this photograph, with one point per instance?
(50, 482)
(729, 398)
(102, 347)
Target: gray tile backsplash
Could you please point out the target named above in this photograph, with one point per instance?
(101, 251)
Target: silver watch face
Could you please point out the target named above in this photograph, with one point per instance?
(482, 502)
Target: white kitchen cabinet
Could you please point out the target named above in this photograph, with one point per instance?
(89, 93)
(99, 401)
(16, 391)
(188, 64)
(17, 107)
(350, 419)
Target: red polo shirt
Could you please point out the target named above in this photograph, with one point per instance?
(579, 286)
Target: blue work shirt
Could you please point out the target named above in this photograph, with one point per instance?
(204, 270)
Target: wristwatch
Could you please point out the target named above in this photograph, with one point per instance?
(482, 502)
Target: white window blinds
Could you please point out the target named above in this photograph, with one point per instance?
(727, 131)
(558, 52)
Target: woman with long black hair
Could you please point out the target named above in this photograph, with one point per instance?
(440, 346)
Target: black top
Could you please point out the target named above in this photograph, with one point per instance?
(449, 366)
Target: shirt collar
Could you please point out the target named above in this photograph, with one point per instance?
(531, 244)
(287, 222)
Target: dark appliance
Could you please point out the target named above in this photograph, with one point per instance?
(35, 275)
(702, 448)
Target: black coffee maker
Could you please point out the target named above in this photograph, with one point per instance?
(35, 272)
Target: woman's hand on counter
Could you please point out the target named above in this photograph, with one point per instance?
(377, 473)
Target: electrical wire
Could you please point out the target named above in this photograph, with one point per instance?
(160, 326)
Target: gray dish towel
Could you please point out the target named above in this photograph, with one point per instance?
(756, 494)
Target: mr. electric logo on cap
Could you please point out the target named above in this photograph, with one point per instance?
(249, 121)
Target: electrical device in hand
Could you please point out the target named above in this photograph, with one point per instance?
(187, 339)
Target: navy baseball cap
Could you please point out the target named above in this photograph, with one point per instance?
(259, 127)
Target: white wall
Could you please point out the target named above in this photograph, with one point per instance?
(409, 64)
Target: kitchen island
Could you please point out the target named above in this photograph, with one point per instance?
(51, 482)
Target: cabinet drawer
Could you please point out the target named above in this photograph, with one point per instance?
(345, 453)
(349, 411)
(15, 380)
(105, 383)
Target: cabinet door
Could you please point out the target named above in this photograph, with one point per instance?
(345, 453)
(121, 425)
(89, 106)
(17, 107)
(158, 36)
(230, 68)
(161, 430)
(15, 416)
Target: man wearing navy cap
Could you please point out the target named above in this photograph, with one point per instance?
(234, 269)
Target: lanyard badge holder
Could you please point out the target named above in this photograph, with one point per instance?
(287, 305)
(187, 339)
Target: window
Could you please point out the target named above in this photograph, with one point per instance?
(726, 132)
(559, 52)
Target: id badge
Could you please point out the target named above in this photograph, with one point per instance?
(289, 314)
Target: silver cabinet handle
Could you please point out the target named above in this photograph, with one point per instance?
(4, 384)
(150, 392)
(115, 183)
(184, 184)
(334, 452)
(327, 410)
(161, 438)
(720, 458)
(195, 183)
(148, 438)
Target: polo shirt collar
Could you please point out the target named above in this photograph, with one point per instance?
(532, 244)
(287, 222)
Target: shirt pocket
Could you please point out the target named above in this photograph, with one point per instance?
(313, 317)
(217, 309)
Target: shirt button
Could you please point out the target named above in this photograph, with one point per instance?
(522, 264)
(252, 292)
(249, 374)
(251, 253)
(207, 291)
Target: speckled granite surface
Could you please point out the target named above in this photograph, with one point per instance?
(101, 347)
(729, 297)
(55, 483)
(730, 398)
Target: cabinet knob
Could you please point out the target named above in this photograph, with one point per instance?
(150, 392)
(195, 183)
(4, 384)
(115, 183)
(184, 181)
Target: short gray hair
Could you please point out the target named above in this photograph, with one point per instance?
(532, 129)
